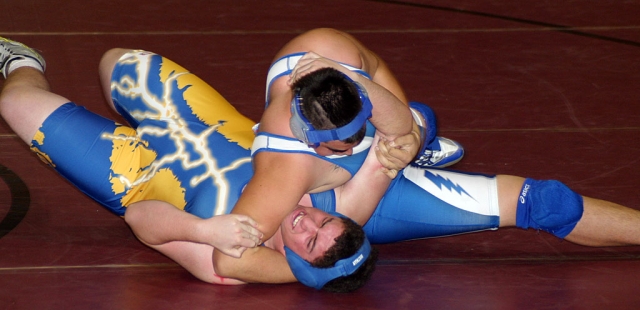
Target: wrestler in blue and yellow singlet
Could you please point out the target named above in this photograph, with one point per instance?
(185, 145)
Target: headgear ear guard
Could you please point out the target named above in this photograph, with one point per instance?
(317, 277)
(303, 130)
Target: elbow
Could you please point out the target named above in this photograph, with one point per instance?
(223, 264)
(132, 216)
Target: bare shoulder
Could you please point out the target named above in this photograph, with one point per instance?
(328, 42)
(275, 118)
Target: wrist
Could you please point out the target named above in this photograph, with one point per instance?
(419, 133)
(198, 231)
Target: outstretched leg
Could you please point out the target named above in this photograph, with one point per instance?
(605, 223)
(78, 144)
(602, 223)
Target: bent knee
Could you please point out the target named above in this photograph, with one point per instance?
(550, 206)
(111, 56)
(109, 60)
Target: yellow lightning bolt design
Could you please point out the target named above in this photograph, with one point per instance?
(164, 109)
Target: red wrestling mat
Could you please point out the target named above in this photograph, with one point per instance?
(545, 90)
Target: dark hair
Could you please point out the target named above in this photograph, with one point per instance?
(347, 244)
(333, 100)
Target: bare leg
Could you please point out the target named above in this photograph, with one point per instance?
(508, 191)
(107, 63)
(25, 101)
(606, 223)
(603, 223)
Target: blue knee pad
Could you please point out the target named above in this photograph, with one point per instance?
(430, 129)
(550, 206)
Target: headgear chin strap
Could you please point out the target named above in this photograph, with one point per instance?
(303, 130)
(317, 277)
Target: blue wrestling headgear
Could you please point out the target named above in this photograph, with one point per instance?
(305, 132)
(317, 277)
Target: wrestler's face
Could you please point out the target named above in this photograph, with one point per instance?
(335, 147)
(310, 232)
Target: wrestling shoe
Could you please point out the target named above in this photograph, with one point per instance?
(441, 153)
(12, 51)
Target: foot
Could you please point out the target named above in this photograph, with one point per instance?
(12, 52)
(441, 153)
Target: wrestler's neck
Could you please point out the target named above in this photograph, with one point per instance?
(275, 118)
(276, 242)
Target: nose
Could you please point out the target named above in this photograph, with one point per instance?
(309, 224)
(349, 152)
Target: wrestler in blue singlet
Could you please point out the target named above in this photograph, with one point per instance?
(269, 142)
(186, 145)
(425, 203)
(419, 203)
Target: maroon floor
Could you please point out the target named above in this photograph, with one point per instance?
(546, 89)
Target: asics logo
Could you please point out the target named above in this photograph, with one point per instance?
(523, 194)
(358, 259)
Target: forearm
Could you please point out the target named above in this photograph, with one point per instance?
(359, 197)
(156, 222)
(258, 265)
(195, 258)
(278, 184)
(390, 115)
(383, 76)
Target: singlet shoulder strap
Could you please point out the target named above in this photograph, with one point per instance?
(266, 141)
(285, 64)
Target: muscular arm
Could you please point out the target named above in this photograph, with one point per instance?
(279, 182)
(390, 115)
(257, 265)
(157, 222)
(190, 240)
(359, 197)
(186, 239)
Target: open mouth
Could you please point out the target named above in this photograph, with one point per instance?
(297, 219)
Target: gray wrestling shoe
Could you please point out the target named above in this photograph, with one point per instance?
(444, 153)
(11, 51)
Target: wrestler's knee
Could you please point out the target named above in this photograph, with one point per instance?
(6, 98)
(110, 57)
(105, 69)
(12, 101)
(550, 206)
(109, 60)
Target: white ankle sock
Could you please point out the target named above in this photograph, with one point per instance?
(24, 62)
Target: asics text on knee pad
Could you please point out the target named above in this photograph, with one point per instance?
(550, 206)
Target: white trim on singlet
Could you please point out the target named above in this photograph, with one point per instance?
(291, 145)
(417, 117)
(474, 193)
(285, 65)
